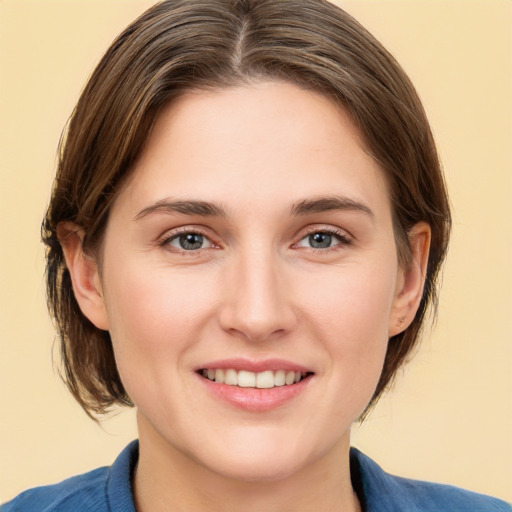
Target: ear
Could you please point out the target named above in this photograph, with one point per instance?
(84, 273)
(411, 280)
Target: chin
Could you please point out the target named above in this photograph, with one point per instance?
(252, 468)
(261, 458)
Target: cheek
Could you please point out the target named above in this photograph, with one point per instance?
(154, 315)
(351, 302)
(349, 311)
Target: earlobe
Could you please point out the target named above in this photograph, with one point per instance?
(411, 281)
(84, 273)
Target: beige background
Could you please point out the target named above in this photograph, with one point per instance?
(450, 417)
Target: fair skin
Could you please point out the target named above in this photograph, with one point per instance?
(254, 233)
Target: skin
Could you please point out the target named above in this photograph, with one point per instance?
(255, 289)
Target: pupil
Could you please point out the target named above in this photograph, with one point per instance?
(191, 241)
(320, 240)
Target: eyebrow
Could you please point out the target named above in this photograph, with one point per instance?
(300, 208)
(324, 204)
(202, 208)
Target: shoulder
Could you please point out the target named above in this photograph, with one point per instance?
(106, 489)
(80, 493)
(383, 492)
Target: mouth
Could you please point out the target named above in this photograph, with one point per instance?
(266, 379)
(255, 386)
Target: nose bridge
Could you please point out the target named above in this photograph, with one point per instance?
(256, 304)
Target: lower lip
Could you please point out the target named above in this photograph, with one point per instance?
(255, 399)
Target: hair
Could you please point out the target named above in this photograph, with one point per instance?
(179, 45)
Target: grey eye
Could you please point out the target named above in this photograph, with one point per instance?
(190, 241)
(319, 240)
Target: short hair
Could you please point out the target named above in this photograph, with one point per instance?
(179, 45)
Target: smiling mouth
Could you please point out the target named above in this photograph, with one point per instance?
(246, 379)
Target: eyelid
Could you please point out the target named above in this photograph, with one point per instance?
(171, 234)
(341, 235)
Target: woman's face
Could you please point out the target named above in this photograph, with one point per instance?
(253, 243)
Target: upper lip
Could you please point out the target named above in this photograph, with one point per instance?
(273, 364)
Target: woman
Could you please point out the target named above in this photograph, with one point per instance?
(243, 240)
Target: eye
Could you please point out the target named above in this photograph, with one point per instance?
(189, 241)
(323, 240)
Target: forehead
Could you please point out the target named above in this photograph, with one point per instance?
(273, 139)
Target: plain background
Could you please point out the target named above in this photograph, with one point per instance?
(449, 417)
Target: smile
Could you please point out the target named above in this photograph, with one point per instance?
(255, 386)
(247, 379)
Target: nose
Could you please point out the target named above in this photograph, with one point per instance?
(257, 305)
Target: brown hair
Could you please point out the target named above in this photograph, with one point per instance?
(179, 45)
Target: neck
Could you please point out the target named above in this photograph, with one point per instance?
(167, 478)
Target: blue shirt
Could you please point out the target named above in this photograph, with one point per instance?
(109, 489)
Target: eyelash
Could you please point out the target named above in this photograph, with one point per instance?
(168, 238)
(340, 236)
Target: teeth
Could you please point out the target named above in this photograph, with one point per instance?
(231, 378)
(280, 378)
(244, 379)
(265, 380)
(219, 376)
